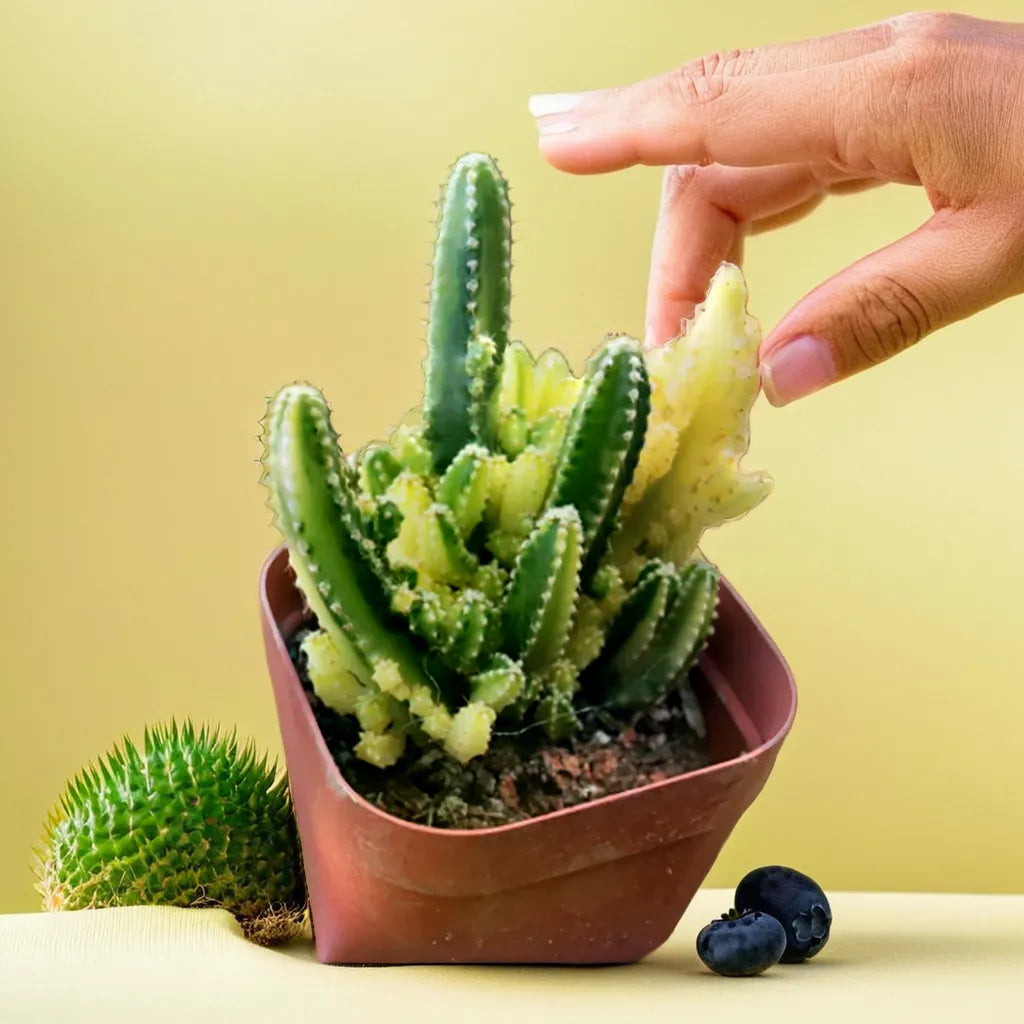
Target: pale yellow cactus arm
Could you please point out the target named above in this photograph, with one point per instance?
(704, 385)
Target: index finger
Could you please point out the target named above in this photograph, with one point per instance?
(702, 113)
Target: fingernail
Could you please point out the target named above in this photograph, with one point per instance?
(557, 128)
(798, 368)
(554, 103)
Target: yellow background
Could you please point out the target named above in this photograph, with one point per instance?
(201, 201)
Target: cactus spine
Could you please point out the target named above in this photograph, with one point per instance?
(527, 547)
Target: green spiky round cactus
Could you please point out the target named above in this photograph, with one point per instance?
(189, 820)
(526, 546)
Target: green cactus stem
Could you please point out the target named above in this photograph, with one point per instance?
(464, 487)
(469, 306)
(542, 592)
(634, 628)
(678, 638)
(471, 631)
(555, 710)
(378, 468)
(336, 566)
(602, 444)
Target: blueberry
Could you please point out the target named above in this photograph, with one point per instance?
(740, 946)
(793, 899)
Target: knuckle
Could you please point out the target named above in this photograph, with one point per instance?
(887, 317)
(702, 184)
(682, 178)
(922, 27)
(899, 93)
(705, 79)
(921, 54)
(922, 44)
(721, 63)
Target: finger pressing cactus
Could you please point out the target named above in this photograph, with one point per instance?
(190, 819)
(525, 547)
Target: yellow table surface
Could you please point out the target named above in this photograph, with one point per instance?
(890, 957)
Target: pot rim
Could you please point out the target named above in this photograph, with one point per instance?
(277, 561)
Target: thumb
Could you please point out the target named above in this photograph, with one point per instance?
(956, 264)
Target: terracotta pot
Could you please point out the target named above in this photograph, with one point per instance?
(602, 883)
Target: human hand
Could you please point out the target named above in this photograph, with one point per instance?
(753, 139)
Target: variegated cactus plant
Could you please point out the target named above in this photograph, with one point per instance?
(524, 546)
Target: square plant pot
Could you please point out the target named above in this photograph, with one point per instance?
(604, 882)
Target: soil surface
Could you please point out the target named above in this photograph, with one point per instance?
(522, 775)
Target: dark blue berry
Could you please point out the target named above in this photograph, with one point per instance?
(740, 946)
(795, 900)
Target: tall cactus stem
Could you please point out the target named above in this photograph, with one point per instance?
(470, 296)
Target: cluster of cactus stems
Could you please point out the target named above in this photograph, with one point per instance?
(523, 546)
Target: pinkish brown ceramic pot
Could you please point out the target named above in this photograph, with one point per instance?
(602, 883)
